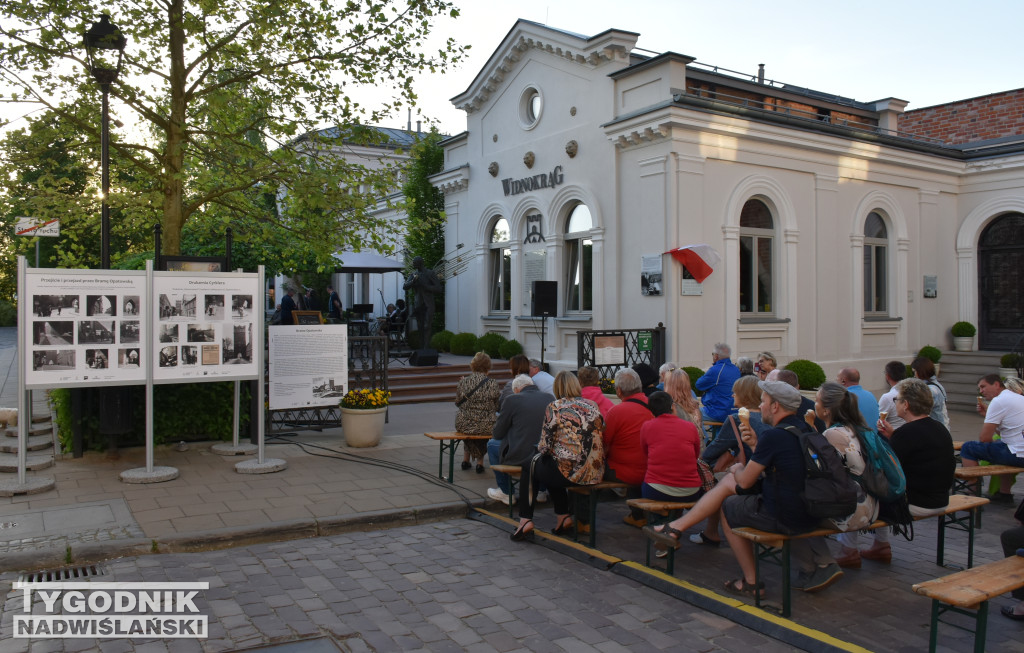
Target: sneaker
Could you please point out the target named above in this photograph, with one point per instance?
(818, 580)
(848, 558)
(496, 494)
(542, 497)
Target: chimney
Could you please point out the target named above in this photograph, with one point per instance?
(418, 123)
(408, 126)
(760, 73)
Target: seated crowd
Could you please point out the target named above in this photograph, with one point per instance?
(652, 440)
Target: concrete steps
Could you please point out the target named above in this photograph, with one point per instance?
(414, 385)
(39, 448)
(959, 374)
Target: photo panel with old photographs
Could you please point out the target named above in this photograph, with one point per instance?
(55, 305)
(53, 360)
(130, 305)
(241, 306)
(214, 307)
(189, 355)
(130, 331)
(97, 359)
(237, 343)
(169, 356)
(177, 305)
(101, 305)
(324, 387)
(202, 333)
(168, 333)
(96, 332)
(210, 354)
(128, 358)
(53, 332)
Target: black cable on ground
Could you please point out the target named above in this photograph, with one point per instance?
(376, 462)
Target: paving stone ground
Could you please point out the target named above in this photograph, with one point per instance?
(450, 586)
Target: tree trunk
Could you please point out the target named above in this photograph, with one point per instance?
(174, 154)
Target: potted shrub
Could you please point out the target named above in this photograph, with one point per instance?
(809, 375)
(362, 416)
(464, 344)
(931, 353)
(1009, 364)
(490, 343)
(694, 373)
(963, 336)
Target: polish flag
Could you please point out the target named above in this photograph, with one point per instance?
(700, 260)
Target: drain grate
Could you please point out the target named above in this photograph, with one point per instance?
(67, 573)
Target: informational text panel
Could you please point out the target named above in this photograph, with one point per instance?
(204, 326)
(84, 327)
(308, 365)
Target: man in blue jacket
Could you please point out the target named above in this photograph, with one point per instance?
(716, 384)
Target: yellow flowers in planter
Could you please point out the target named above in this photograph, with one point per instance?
(365, 399)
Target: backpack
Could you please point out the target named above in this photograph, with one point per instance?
(829, 488)
(883, 476)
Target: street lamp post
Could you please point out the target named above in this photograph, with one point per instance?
(104, 35)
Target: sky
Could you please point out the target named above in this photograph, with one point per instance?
(926, 53)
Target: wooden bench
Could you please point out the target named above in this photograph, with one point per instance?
(776, 546)
(967, 479)
(968, 592)
(590, 492)
(513, 472)
(711, 429)
(669, 509)
(449, 441)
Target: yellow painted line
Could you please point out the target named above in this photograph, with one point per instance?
(750, 609)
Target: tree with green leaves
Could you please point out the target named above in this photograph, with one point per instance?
(210, 85)
(424, 206)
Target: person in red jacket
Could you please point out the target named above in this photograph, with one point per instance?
(623, 449)
(671, 446)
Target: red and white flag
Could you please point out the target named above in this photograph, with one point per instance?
(700, 260)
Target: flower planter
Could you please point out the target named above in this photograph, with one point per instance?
(363, 427)
(963, 343)
(1006, 372)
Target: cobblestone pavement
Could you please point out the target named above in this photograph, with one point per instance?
(450, 586)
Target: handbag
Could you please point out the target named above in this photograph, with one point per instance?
(728, 459)
(707, 475)
(458, 404)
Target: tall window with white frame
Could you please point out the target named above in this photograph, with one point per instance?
(757, 239)
(876, 241)
(579, 258)
(501, 268)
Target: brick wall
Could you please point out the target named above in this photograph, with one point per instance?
(967, 121)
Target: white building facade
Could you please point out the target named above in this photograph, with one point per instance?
(581, 157)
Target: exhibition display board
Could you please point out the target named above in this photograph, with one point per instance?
(308, 365)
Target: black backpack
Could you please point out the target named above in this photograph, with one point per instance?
(829, 489)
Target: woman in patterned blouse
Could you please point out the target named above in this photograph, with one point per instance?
(571, 453)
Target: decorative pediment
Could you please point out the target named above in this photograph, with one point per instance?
(451, 181)
(591, 52)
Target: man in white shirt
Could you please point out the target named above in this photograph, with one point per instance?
(1005, 414)
(895, 371)
(544, 381)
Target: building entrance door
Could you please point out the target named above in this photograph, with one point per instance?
(1000, 291)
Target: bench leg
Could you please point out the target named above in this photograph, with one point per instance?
(513, 486)
(593, 519)
(940, 543)
(452, 447)
(970, 538)
(933, 636)
(786, 596)
(981, 627)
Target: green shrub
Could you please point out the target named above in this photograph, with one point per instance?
(963, 330)
(931, 353)
(464, 344)
(442, 340)
(910, 373)
(8, 313)
(509, 348)
(808, 373)
(490, 343)
(694, 373)
(1010, 360)
(208, 416)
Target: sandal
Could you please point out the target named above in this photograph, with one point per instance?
(667, 537)
(565, 526)
(521, 532)
(741, 587)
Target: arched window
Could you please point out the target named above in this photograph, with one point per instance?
(757, 236)
(501, 267)
(876, 279)
(579, 257)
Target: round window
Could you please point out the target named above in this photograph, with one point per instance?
(530, 107)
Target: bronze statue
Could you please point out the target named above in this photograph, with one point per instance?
(425, 283)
